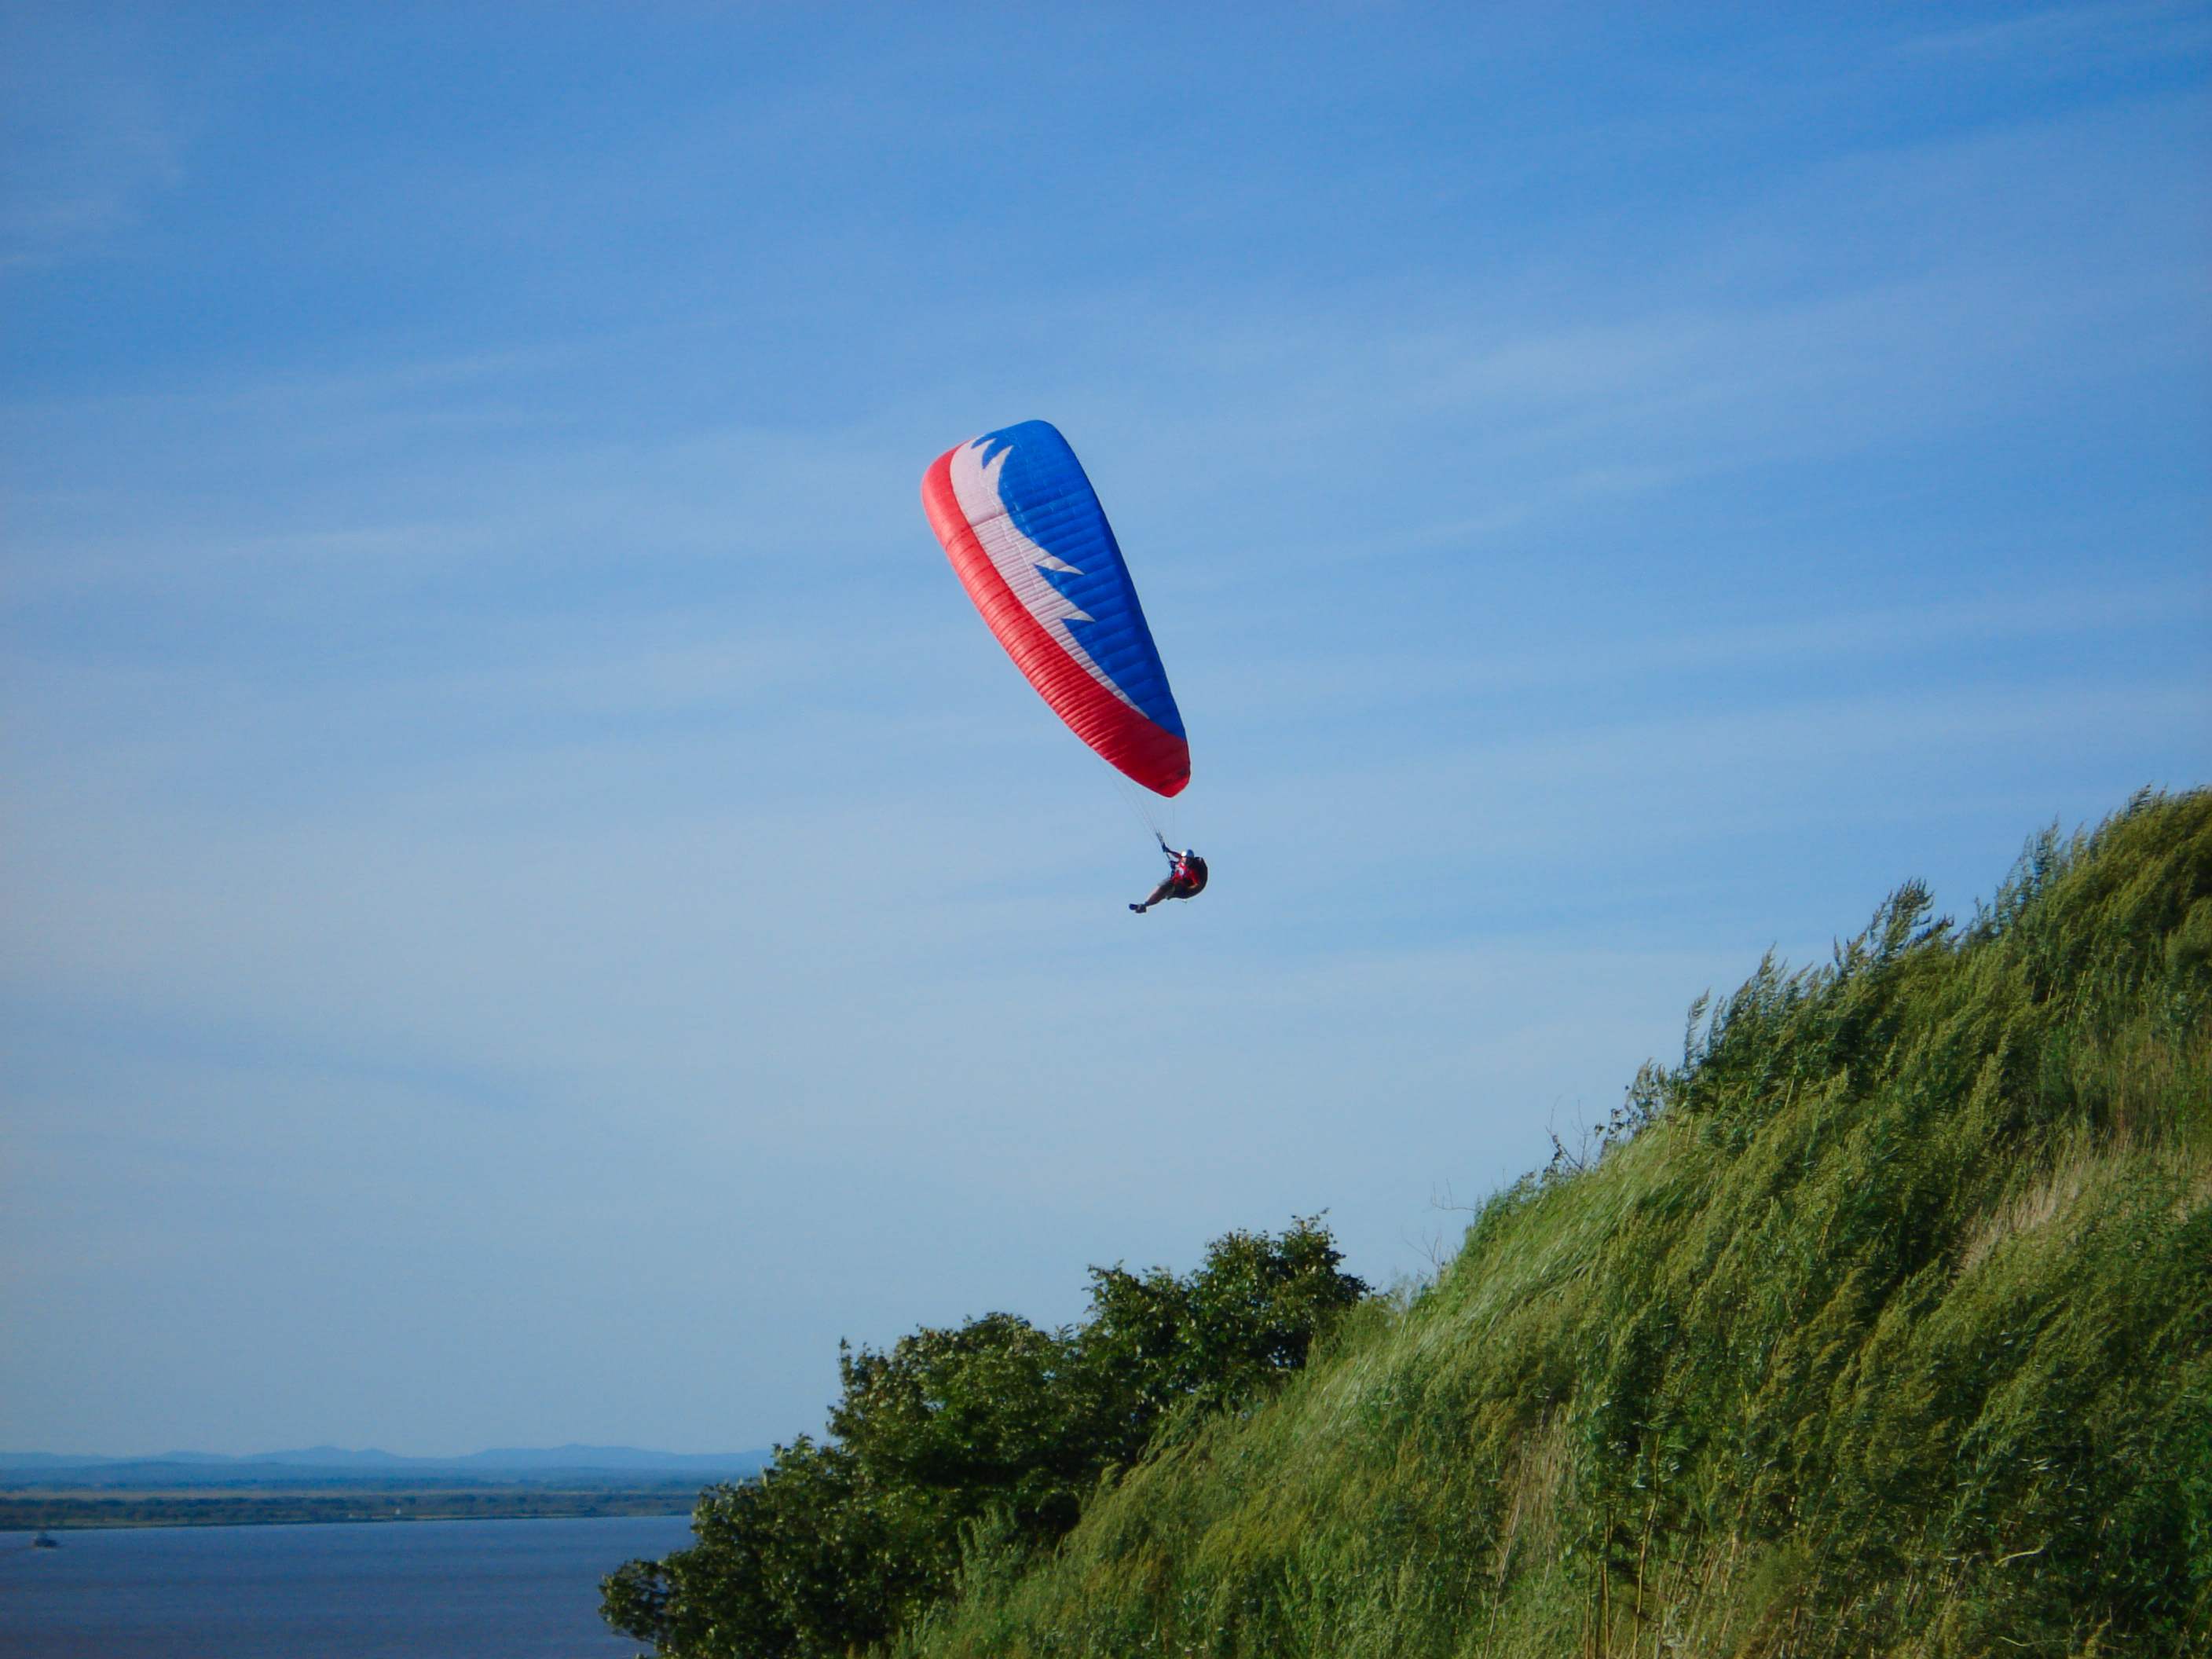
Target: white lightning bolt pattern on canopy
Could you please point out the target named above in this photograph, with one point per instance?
(1018, 559)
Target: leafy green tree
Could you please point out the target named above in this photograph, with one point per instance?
(994, 1414)
(1249, 1317)
(798, 1561)
(994, 1424)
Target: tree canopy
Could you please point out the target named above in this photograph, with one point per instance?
(995, 1426)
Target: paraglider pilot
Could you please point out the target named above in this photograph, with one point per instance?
(1186, 877)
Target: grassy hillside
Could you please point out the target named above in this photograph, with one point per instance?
(1881, 1324)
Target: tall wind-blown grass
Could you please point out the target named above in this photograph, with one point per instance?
(1881, 1325)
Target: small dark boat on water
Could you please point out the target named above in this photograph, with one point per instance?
(45, 1540)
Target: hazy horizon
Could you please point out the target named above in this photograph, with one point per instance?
(226, 1459)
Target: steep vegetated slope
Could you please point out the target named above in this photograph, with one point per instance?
(1882, 1324)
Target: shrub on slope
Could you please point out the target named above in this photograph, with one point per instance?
(1890, 1331)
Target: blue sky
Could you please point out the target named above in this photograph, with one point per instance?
(534, 907)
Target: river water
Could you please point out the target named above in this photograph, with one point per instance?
(413, 1590)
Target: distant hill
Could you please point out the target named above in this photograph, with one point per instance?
(328, 1465)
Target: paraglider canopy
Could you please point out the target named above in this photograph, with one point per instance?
(1030, 543)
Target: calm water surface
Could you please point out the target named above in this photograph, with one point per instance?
(413, 1590)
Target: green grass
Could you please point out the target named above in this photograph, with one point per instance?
(1882, 1324)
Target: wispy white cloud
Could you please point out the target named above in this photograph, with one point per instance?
(2070, 38)
(504, 796)
(1635, 663)
(90, 133)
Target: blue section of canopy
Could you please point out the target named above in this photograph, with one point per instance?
(1051, 503)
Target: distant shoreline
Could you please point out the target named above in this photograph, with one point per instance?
(61, 1512)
